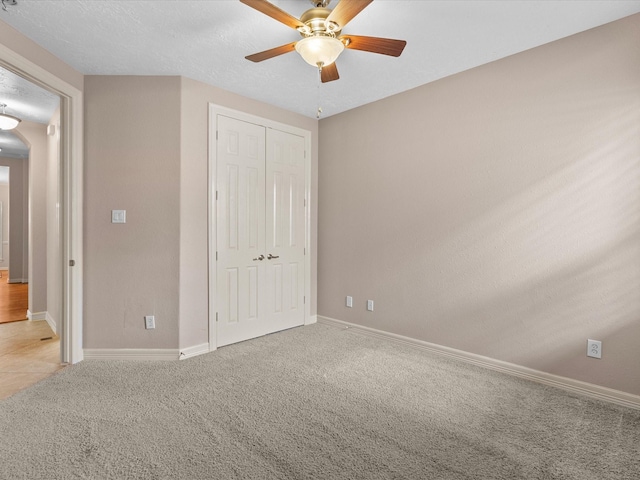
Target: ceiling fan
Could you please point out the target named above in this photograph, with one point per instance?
(320, 29)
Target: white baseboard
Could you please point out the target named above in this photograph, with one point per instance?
(311, 320)
(194, 351)
(131, 354)
(52, 323)
(17, 280)
(38, 316)
(564, 383)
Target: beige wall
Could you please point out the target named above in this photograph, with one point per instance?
(146, 151)
(497, 211)
(18, 202)
(132, 162)
(196, 97)
(35, 228)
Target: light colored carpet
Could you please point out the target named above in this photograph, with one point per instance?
(315, 402)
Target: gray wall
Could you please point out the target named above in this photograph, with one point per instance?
(496, 211)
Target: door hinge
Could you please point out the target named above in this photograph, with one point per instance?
(216, 256)
(216, 316)
(216, 194)
(72, 263)
(304, 300)
(216, 134)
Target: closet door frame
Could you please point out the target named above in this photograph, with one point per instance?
(214, 111)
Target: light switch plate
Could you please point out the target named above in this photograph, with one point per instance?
(118, 216)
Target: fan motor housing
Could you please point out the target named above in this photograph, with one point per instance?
(315, 20)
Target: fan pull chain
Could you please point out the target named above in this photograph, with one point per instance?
(319, 112)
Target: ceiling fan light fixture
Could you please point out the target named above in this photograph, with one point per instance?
(8, 122)
(320, 50)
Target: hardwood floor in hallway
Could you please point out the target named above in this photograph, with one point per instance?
(29, 350)
(14, 299)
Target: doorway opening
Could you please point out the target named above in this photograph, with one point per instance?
(69, 205)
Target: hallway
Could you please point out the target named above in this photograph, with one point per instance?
(14, 299)
(29, 350)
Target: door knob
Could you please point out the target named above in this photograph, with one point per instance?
(261, 257)
(269, 257)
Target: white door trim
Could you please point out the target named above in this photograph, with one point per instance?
(71, 168)
(214, 111)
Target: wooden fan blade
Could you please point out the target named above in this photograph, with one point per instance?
(346, 10)
(273, 52)
(329, 73)
(385, 46)
(274, 12)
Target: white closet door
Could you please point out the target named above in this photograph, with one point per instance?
(285, 237)
(260, 230)
(241, 228)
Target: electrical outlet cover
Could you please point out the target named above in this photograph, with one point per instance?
(594, 348)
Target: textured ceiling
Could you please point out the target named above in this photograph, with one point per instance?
(207, 40)
(27, 102)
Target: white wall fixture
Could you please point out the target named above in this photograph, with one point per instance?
(149, 322)
(594, 348)
(118, 216)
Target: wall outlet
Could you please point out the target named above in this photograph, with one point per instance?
(149, 322)
(594, 348)
(349, 302)
(370, 305)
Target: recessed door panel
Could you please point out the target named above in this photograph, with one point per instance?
(232, 296)
(254, 207)
(232, 207)
(294, 285)
(252, 297)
